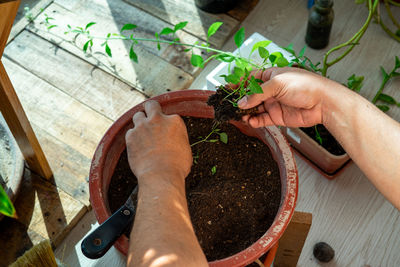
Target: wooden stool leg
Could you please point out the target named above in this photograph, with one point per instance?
(19, 125)
(292, 241)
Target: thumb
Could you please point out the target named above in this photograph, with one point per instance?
(250, 101)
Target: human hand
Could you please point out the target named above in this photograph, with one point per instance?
(158, 144)
(292, 97)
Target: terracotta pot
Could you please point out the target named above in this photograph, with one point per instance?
(329, 163)
(193, 103)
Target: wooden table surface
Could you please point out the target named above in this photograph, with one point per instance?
(71, 105)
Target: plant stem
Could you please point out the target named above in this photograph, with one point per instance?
(206, 138)
(389, 11)
(384, 82)
(394, 3)
(123, 37)
(352, 42)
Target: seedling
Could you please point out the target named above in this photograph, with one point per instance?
(214, 169)
(395, 72)
(222, 136)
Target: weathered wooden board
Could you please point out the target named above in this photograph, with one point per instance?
(70, 168)
(88, 84)
(243, 9)
(35, 7)
(112, 15)
(58, 113)
(44, 212)
(152, 76)
(174, 12)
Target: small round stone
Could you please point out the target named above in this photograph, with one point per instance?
(323, 252)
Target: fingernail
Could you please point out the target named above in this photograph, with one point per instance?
(242, 102)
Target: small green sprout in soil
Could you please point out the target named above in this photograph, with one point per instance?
(222, 136)
(214, 169)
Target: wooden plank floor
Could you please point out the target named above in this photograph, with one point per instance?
(71, 98)
(348, 212)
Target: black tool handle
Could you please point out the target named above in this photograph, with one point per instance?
(101, 239)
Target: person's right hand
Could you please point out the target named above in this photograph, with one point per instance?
(291, 97)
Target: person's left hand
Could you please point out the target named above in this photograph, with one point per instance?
(158, 144)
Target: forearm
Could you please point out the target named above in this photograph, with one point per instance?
(370, 137)
(163, 234)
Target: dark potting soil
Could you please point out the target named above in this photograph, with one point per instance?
(224, 110)
(328, 141)
(230, 209)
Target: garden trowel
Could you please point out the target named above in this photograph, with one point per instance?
(96, 244)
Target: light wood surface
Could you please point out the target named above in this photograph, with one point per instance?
(84, 94)
(292, 241)
(174, 12)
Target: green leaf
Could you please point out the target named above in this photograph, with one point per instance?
(232, 78)
(301, 54)
(397, 60)
(108, 50)
(260, 44)
(263, 52)
(128, 26)
(157, 38)
(254, 87)
(51, 27)
(180, 26)
(355, 82)
(281, 62)
(317, 135)
(6, 206)
(238, 71)
(213, 28)
(398, 32)
(384, 108)
(223, 137)
(290, 49)
(86, 45)
(132, 55)
(166, 31)
(239, 37)
(387, 98)
(90, 24)
(197, 61)
(384, 73)
(213, 170)
(225, 58)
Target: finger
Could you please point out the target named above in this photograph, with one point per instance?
(152, 108)
(138, 117)
(260, 120)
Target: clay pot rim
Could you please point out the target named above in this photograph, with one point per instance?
(319, 147)
(271, 236)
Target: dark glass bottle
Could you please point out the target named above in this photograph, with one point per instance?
(320, 24)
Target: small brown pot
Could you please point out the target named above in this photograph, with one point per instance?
(193, 103)
(316, 155)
